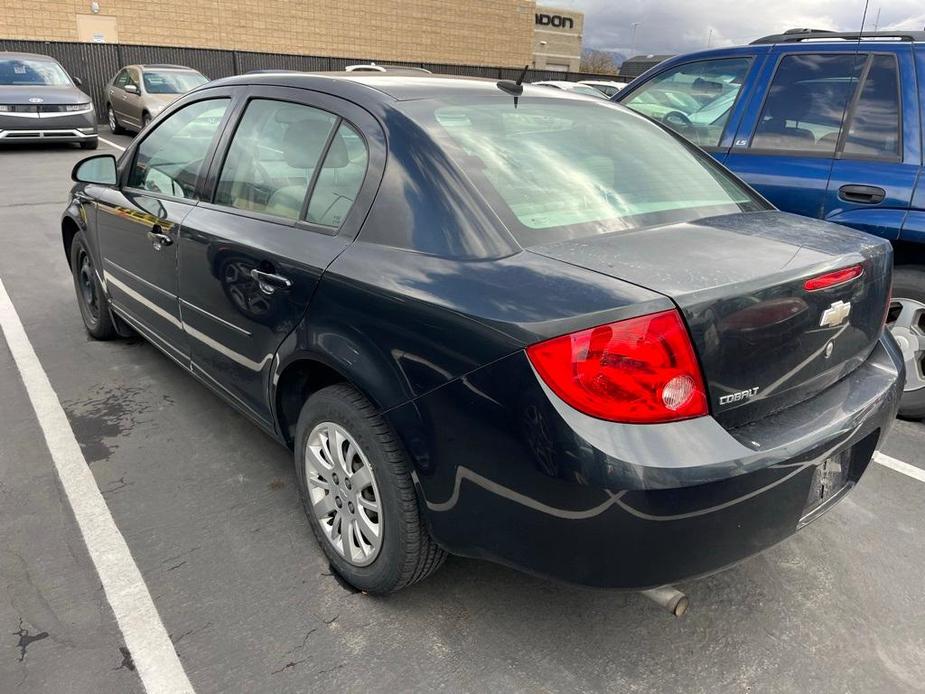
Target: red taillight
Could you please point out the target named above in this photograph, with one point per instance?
(641, 370)
(833, 279)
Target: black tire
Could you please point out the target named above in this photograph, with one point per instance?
(90, 144)
(114, 121)
(145, 119)
(909, 283)
(91, 299)
(407, 554)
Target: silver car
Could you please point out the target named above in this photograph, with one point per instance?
(40, 102)
(139, 92)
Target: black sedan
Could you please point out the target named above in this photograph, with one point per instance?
(496, 320)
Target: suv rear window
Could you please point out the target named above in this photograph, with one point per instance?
(556, 169)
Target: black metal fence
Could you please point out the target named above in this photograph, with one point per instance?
(96, 63)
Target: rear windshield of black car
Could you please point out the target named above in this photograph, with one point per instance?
(556, 169)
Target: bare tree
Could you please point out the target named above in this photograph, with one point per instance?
(598, 63)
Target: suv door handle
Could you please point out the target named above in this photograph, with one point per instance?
(864, 195)
(158, 239)
(269, 282)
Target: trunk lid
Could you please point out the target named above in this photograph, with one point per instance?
(739, 283)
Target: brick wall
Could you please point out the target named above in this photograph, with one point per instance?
(470, 32)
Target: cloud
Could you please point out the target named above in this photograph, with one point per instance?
(678, 26)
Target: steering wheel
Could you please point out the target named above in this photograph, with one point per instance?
(676, 119)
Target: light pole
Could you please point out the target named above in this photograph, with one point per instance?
(633, 49)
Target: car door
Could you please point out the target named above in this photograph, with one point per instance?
(701, 99)
(879, 154)
(283, 207)
(139, 222)
(132, 102)
(117, 93)
(787, 141)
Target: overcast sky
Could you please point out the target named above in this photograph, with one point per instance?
(677, 26)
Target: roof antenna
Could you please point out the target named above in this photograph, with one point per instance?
(514, 88)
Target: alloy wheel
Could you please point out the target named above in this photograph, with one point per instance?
(88, 291)
(906, 321)
(343, 493)
(110, 114)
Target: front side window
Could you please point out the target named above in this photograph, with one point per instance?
(694, 99)
(122, 79)
(32, 71)
(556, 169)
(807, 102)
(273, 156)
(170, 159)
(875, 126)
(172, 81)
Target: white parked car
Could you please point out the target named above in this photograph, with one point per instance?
(576, 87)
(609, 87)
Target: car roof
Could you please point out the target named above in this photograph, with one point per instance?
(11, 55)
(822, 36)
(396, 87)
(163, 66)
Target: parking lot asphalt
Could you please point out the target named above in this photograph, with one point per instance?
(208, 507)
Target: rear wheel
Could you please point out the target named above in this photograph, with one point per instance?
(90, 297)
(906, 320)
(113, 121)
(356, 489)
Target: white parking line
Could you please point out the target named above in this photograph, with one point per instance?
(146, 638)
(898, 465)
(112, 144)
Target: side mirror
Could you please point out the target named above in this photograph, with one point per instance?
(77, 81)
(100, 169)
(131, 88)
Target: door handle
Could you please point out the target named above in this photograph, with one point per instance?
(158, 239)
(864, 195)
(269, 282)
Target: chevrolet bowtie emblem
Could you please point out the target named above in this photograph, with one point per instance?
(835, 315)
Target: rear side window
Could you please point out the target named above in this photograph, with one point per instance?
(339, 180)
(169, 160)
(273, 157)
(694, 99)
(807, 102)
(875, 125)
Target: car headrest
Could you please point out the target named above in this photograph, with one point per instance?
(337, 156)
(303, 142)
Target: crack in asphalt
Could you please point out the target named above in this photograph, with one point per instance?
(304, 641)
(290, 664)
(25, 638)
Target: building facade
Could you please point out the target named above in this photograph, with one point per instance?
(462, 32)
(557, 35)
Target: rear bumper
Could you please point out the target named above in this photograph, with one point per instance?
(510, 473)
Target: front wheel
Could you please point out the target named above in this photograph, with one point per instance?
(90, 144)
(906, 320)
(356, 488)
(113, 121)
(90, 297)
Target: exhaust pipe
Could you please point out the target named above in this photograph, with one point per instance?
(670, 598)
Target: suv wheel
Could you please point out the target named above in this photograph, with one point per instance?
(355, 483)
(906, 320)
(90, 297)
(113, 121)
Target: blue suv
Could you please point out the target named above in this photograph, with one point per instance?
(823, 124)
